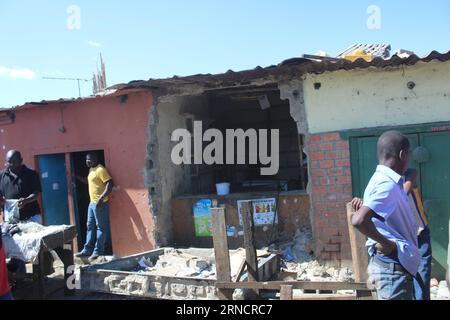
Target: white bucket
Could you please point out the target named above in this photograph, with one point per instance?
(223, 188)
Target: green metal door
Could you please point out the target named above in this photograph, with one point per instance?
(435, 187)
(364, 161)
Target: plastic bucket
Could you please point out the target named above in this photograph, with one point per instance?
(223, 189)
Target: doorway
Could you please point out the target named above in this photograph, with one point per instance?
(81, 195)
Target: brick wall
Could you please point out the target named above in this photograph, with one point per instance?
(331, 189)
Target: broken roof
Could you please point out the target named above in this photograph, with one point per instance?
(290, 67)
(287, 69)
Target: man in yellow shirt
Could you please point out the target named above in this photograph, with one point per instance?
(100, 186)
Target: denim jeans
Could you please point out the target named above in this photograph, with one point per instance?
(423, 292)
(97, 229)
(389, 283)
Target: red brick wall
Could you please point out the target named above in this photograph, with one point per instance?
(331, 189)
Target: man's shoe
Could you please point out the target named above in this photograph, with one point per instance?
(82, 255)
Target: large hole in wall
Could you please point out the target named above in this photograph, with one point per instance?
(248, 108)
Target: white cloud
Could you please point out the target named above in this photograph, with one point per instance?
(94, 44)
(18, 73)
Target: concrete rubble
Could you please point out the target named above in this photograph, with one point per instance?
(298, 258)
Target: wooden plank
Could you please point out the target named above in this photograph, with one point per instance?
(251, 257)
(305, 285)
(70, 199)
(221, 251)
(241, 270)
(249, 244)
(360, 257)
(286, 292)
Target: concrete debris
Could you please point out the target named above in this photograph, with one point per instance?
(314, 271)
(302, 246)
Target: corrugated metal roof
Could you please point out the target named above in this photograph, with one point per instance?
(292, 67)
(287, 69)
(394, 61)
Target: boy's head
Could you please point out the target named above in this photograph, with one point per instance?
(394, 151)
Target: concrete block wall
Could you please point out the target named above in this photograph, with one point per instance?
(330, 189)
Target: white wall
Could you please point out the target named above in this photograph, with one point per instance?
(373, 97)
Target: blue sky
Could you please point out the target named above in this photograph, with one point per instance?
(156, 39)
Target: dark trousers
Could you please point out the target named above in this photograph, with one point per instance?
(422, 290)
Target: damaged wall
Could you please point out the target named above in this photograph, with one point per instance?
(361, 98)
(164, 178)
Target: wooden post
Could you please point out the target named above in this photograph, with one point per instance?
(360, 257)
(221, 251)
(286, 293)
(251, 257)
(70, 199)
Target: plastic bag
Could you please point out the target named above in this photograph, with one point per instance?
(11, 211)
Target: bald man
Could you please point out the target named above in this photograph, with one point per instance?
(387, 220)
(18, 182)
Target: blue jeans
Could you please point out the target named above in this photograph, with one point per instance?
(97, 229)
(424, 267)
(389, 283)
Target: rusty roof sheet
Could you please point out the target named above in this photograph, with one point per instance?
(289, 68)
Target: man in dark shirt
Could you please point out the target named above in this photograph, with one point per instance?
(17, 182)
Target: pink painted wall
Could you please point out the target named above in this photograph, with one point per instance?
(120, 129)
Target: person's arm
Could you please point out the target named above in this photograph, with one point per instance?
(31, 198)
(108, 189)
(36, 185)
(81, 179)
(362, 220)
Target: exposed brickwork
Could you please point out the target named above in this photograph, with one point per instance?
(331, 183)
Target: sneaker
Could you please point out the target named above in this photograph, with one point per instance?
(93, 257)
(82, 255)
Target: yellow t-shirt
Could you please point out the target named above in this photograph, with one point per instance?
(97, 179)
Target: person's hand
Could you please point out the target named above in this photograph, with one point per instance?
(356, 203)
(99, 203)
(387, 250)
(22, 202)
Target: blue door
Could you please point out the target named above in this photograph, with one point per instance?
(52, 170)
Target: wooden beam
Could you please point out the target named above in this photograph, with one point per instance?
(221, 251)
(286, 292)
(241, 270)
(251, 257)
(70, 199)
(305, 285)
(360, 257)
(249, 244)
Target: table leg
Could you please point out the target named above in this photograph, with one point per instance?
(66, 256)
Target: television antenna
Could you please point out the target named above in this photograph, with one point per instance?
(70, 79)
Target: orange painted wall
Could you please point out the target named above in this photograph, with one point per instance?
(120, 129)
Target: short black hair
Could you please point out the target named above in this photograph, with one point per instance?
(390, 144)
